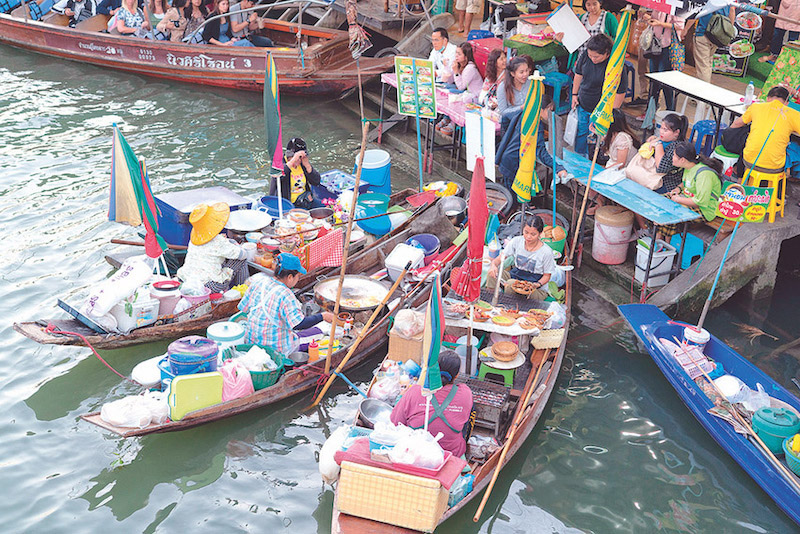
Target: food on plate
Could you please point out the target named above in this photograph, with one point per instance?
(503, 320)
(748, 21)
(514, 314)
(741, 49)
(479, 315)
(523, 287)
(483, 304)
(459, 308)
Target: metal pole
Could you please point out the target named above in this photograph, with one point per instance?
(419, 138)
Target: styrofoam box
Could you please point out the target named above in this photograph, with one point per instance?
(399, 258)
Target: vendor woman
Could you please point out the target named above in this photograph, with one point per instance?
(533, 259)
(450, 410)
(273, 311)
(212, 260)
(298, 176)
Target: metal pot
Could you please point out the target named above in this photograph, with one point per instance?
(454, 208)
(321, 213)
(372, 411)
(354, 287)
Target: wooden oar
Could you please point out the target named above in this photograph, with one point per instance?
(360, 337)
(141, 244)
(515, 426)
(577, 227)
(788, 475)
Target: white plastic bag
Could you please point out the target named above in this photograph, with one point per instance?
(156, 402)
(419, 449)
(571, 128)
(408, 323)
(133, 274)
(128, 412)
(558, 318)
(386, 389)
(328, 467)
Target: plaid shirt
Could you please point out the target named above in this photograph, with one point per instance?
(272, 311)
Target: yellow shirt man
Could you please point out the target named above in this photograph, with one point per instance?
(761, 118)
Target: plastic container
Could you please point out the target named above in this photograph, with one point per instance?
(261, 379)
(313, 351)
(376, 170)
(430, 245)
(138, 314)
(377, 226)
(612, 233)
(792, 459)
(168, 293)
(412, 368)
(663, 258)
(166, 373)
(699, 339)
(194, 300)
(774, 425)
(379, 201)
(270, 205)
(399, 257)
(226, 334)
(192, 354)
(174, 210)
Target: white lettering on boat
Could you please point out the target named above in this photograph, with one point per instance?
(145, 54)
(100, 48)
(201, 61)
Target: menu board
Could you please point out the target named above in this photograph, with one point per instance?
(733, 59)
(416, 89)
(743, 203)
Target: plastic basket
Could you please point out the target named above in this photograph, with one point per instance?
(261, 379)
(792, 460)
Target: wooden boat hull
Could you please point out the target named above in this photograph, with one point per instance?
(327, 68)
(347, 524)
(649, 324)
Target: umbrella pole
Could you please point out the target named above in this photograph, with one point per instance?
(332, 337)
(555, 174)
(578, 224)
(468, 355)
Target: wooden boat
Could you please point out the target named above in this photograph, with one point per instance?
(38, 331)
(298, 380)
(650, 324)
(484, 470)
(326, 67)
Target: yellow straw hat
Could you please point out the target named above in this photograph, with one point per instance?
(208, 221)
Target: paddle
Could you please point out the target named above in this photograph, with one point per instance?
(517, 420)
(141, 244)
(360, 337)
(788, 475)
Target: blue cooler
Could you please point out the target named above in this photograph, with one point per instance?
(174, 210)
(377, 170)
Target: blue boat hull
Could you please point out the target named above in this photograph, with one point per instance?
(650, 324)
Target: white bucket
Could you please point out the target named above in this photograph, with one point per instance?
(661, 265)
(612, 234)
(699, 339)
(142, 313)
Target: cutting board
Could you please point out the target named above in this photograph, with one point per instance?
(188, 393)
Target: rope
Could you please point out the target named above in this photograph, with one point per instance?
(52, 329)
(596, 330)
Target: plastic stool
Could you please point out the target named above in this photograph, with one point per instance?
(705, 131)
(694, 248)
(507, 374)
(629, 77)
(728, 159)
(559, 81)
(778, 184)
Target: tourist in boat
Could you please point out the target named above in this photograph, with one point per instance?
(533, 259)
(587, 86)
(173, 25)
(109, 7)
(443, 55)
(298, 176)
(212, 260)
(244, 24)
(218, 31)
(273, 311)
(451, 407)
(195, 13)
(701, 185)
(155, 11)
(80, 10)
(514, 88)
(495, 73)
(131, 20)
(596, 20)
(465, 73)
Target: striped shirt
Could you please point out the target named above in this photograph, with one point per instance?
(272, 311)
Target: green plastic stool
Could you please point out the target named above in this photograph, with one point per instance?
(507, 374)
(727, 158)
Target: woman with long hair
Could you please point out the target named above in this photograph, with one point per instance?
(173, 25)
(512, 90)
(218, 30)
(620, 146)
(195, 13)
(596, 20)
(495, 73)
(701, 185)
(131, 20)
(465, 73)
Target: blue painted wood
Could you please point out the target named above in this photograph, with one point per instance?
(650, 324)
(627, 193)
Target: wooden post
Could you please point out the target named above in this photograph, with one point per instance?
(576, 228)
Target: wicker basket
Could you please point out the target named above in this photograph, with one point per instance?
(261, 379)
(505, 351)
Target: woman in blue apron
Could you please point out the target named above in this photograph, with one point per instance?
(533, 260)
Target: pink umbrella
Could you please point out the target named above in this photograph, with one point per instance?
(468, 280)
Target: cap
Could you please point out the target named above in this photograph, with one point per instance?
(289, 262)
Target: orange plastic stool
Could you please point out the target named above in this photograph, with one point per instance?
(778, 184)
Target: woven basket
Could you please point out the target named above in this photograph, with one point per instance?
(504, 351)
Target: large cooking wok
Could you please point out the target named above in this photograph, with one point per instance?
(359, 293)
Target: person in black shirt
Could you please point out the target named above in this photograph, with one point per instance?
(298, 176)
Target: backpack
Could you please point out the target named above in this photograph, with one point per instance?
(720, 30)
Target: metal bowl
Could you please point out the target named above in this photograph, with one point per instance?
(454, 208)
(299, 358)
(356, 287)
(321, 213)
(372, 411)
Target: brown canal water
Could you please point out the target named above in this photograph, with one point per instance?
(616, 451)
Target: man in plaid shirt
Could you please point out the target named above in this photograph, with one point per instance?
(273, 311)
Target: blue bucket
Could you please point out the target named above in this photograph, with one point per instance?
(379, 226)
(376, 171)
(429, 243)
(270, 205)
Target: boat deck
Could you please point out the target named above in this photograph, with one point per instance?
(372, 15)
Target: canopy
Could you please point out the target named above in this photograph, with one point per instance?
(602, 117)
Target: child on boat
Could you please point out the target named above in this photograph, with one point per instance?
(298, 176)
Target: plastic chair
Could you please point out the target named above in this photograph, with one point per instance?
(558, 81)
(507, 374)
(705, 130)
(728, 159)
(629, 77)
(693, 250)
(778, 184)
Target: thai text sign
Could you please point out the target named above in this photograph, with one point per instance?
(416, 89)
(743, 203)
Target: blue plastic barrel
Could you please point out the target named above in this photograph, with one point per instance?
(270, 205)
(376, 171)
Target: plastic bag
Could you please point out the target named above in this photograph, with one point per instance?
(752, 400)
(328, 467)
(389, 434)
(386, 389)
(571, 128)
(559, 317)
(256, 359)
(408, 323)
(419, 449)
(135, 411)
(156, 402)
(236, 381)
(133, 274)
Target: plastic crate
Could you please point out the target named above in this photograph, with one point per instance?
(174, 210)
(261, 379)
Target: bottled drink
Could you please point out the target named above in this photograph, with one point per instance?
(749, 93)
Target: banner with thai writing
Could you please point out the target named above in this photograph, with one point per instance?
(743, 203)
(416, 89)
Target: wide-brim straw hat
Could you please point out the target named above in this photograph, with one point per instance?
(504, 351)
(208, 221)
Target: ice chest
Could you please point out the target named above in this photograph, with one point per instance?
(174, 210)
(188, 393)
(402, 349)
(399, 257)
(399, 499)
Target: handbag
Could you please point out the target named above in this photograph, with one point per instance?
(677, 52)
(643, 172)
(649, 44)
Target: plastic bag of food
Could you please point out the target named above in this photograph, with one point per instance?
(328, 467)
(408, 323)
(236, 381)
(156, 402)
(386, 389)
(559, 317)
(129, 412)
(134, 273)
(418, 448)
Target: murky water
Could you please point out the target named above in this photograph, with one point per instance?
(617, 450)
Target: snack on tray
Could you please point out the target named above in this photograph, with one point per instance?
(514, 314)
(480, 315)
(503, 320)
(522, 287)
(504, 351)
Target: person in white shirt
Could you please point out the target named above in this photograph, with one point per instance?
(443, 55)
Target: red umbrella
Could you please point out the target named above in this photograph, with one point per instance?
(468, 280)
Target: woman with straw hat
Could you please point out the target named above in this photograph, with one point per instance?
(212, 260)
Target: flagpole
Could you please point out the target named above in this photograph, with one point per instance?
(419, 135)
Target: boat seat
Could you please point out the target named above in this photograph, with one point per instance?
(56, 19)
(96, 23)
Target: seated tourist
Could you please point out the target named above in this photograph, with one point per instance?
(156, 9)
(131, 21)
(514, 88)
(195, 13)
(451, 407)
(218, 31)
(701, 185)
(108, 7)
(244, 24)
(173, 25)
(495, 72)
(80, 10)
(619, 145)
(298, 176)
